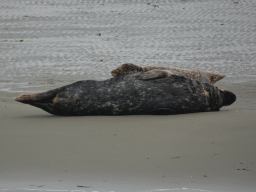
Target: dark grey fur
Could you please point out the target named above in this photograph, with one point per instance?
(152, 92)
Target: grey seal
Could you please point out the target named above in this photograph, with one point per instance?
(203, 76)
(156, 92)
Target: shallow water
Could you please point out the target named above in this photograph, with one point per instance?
(53, 190)
(57, 42)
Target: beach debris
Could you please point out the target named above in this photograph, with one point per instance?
(175, 157)
(244, 169)
(83, 186)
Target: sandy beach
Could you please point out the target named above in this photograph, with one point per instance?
(48, 44)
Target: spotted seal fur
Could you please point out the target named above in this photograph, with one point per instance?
(154, 92)
(203, 76)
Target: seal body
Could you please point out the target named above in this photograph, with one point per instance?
(203, 76)
(153, 92)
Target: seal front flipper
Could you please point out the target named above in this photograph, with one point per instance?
(152, 74)
(162, 111)
(167, 76)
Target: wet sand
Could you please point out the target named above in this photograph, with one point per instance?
(46, 44)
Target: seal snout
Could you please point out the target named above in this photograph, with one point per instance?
(228, 98)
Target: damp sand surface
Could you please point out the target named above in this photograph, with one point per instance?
(48, 44)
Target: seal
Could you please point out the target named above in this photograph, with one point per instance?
(203, 76)
(156, 92)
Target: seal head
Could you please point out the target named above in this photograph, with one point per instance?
(126, 68)
(228, 97)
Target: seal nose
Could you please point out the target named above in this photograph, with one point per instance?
(228, 98)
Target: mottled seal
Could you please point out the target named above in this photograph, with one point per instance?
(152, 92)
(203, 76)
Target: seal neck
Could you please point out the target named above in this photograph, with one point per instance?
(215, 100)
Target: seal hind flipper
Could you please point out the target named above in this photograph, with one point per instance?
(38, 97)
(44, 100)
(214, 77)
(162, 111)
